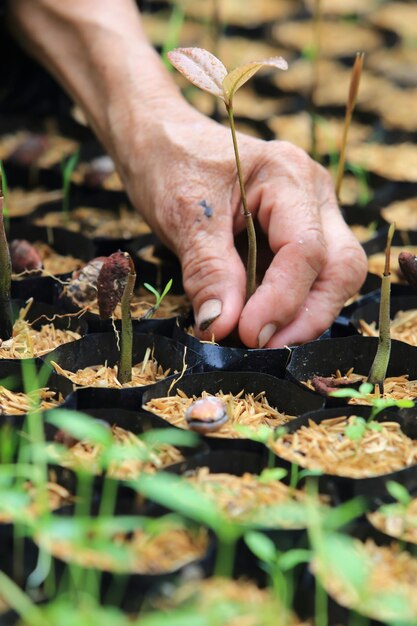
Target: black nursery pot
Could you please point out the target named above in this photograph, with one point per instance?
(343, 488)
(41, 313)
(129, 590)
(369, 312)
(165, 267)
(280, 394)
(237, 463)
(12, 369)
(100, 348)
(266, 360)
(65, 242)
(323, 358)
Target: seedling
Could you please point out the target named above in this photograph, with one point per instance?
(350, 107)
(115, 284)
(67, 168)
(207, 72)
(6, 318)
(158, 298)
(380, 364)
(356, 430)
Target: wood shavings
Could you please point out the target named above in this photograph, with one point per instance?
(337, 38)
(247, 410)
(56, 496)
(327, 448)
(18, 403)
(144, 373)
(142, 302)
(53, 263)
(390, 571)
(396, 162)
(150, 457)
(243, 498)
(403, 327)
(376, 263)
(94, 222)
(28, 342)
(397, 521)
(24, 201)
(145, 553)
(402, 212)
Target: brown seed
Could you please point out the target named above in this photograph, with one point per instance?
(24, 256)
(206, 415)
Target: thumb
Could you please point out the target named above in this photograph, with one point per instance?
(214, 280)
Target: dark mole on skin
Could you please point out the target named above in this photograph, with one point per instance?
(208, 211)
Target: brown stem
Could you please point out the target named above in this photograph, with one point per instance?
(125, 363)
(251, 262)
(350, 106)
(6, 318)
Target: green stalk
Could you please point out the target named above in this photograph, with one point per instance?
(251, 262)
(6, 317)
(380, 365)
(125, 363)
(225, 558)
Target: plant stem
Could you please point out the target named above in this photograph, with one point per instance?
(225, 558)
(251, 262)
(380, 365)
(350, 106)
(315, 77)
(6, 317)
(125, 363)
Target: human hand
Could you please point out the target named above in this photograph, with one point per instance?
(189, 193)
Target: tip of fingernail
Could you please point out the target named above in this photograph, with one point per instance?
(266, 333)
(208, 313)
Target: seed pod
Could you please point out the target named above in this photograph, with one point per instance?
(408, 265)
(82, 288)
(112, 281)
(30, 149)
(324, 385)
(206, 415)
(24, 256)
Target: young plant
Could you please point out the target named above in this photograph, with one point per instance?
(207, 72)
(158, 298)
(350, 107)
(356, 430)
(67, 168)
(6, 317)
(115, 284)
(380, 365)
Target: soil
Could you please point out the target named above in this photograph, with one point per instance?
(243, 410)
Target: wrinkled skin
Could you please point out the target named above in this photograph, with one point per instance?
(315, 262)
(178, 168)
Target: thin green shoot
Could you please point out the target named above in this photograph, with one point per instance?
(67, 167)
(158, 298)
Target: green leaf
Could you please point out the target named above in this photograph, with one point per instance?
(167, 288)
(272, 474)
(292, 558)
(80, 426)
(356, 430)
(152, 290)
(262, 546)
(399, 492)
(171, 436)
(240, 75)
(374, 426)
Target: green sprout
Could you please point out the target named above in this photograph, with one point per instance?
(356, 430)
(207, 72)
(158, 298)
(67, 168)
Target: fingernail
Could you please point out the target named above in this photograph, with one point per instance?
(209, 311)
(266, 333)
